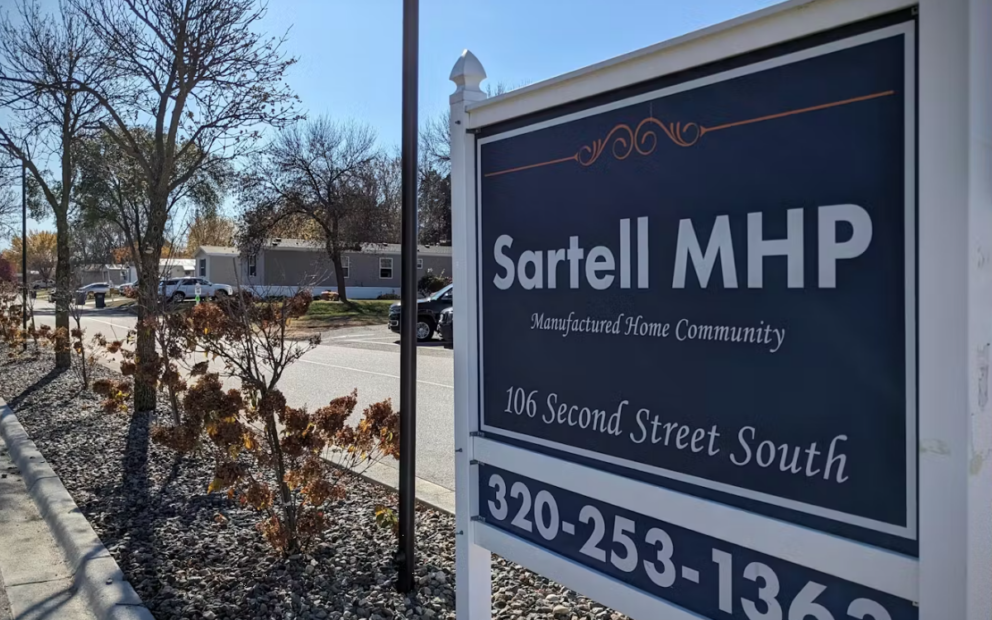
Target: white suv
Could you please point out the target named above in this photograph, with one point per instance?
(180, 289)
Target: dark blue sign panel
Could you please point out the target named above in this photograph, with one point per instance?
(712, 286)
(699, 573)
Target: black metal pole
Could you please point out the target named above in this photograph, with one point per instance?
(408, 335)
(24, 251)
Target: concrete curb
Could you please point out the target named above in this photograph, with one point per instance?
(95, 571)
(429, 493)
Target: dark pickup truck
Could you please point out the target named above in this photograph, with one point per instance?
(428, 312)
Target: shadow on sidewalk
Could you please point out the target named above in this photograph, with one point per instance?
(51, 606)
(89, 312)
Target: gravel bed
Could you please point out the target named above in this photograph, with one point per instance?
(190, 554)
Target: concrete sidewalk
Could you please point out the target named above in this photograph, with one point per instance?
(35, 582)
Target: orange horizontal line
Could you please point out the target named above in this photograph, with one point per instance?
(543, 163)
(801, 111)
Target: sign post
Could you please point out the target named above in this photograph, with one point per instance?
(406, 549)
(723, 352)
(473, 562)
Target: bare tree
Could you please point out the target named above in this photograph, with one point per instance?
(10, 207)
(378, 185)
(95, 240)
(9, 213)
(435, 143)
(328, 173)
(434, 207)
(41, 59)
(434, 186)
(195, 85)
(435, 139)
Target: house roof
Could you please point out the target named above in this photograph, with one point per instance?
(367, 248)
(217, 250)
(185, 263)
(291, 244)
(396, 248)
(305, 245)
(98, 267)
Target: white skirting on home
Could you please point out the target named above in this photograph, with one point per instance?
(354, 292)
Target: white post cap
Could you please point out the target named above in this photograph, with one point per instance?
(467, 74)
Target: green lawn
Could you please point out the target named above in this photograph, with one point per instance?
(330, 314)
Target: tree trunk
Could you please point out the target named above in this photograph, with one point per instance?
(146, 358)
(339, 277)
(150, 249)
(63, 355)
(285, 494)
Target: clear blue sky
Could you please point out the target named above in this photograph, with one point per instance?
(350, 51)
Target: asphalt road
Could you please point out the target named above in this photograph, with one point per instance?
(366, 358)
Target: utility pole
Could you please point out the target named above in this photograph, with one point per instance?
(408, 332)
(24, 252)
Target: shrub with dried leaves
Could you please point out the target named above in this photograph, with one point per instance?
(285, 462)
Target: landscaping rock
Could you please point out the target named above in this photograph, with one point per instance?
(190, 554)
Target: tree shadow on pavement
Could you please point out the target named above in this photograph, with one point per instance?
(51, 607)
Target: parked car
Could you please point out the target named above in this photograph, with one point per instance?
(42, 284)
(428, 313)
(179, 289)
(446, 327)
(94, 289)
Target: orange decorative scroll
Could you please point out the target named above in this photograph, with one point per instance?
(622, 140)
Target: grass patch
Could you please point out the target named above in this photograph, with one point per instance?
(370, 308)
(121, 302)
(324, 315)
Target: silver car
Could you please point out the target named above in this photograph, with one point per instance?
(180, 289)
(94, 289)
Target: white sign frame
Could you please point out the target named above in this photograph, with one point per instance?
(951, 578)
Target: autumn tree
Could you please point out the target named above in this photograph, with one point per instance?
(194, 85)
(42, 252)
(327, 173)
(209, 228)
(6, 270)
(42, 58)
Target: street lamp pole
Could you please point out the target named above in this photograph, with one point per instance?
(24, 251)
(408, 331)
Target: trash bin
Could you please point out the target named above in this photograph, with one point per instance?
(80, 299)
(101, 300)
(34, 294)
